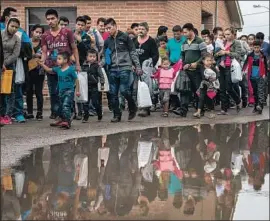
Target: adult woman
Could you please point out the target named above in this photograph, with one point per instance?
(36, 75)
(232, 49)
(11, 49)
(250, 40)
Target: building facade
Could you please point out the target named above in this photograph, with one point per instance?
(202, 13)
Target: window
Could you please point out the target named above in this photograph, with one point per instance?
(37, 16)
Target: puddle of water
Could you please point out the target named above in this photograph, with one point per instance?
(207, 172)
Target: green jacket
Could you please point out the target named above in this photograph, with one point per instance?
(235, 51)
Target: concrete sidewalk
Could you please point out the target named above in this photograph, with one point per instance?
(18, 139)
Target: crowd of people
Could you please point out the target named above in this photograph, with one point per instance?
(184, 71)
(132, 174)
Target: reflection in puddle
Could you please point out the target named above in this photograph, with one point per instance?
(210, 172)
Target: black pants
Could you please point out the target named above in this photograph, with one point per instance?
(195, 80)
(94, 96)
(35, 83)
(204, 99)
(226, 86)
(174, 101)
(244, 89)
(258, 86)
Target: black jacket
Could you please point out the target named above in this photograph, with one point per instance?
(94, 74)
(121, 52)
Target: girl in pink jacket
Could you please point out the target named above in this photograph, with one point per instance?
(165, 76)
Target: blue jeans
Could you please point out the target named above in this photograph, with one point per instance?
(52, 81)
(66, 104)
(120, 81)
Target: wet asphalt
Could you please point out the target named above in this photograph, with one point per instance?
(18, 139)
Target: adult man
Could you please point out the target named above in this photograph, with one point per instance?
(174, 46)
(119, 54)
(133, 30)
(63, 22)
(54, 41)
(25, 55)
(95, 35)
(147, 50)
(193, 50)
(101, 28)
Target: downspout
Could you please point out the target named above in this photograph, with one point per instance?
(216, 13)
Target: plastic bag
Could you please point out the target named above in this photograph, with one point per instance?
(143, 95)
(236, 72)
(19, 75)
(106, 84)
(83, 98)
(173, 83)
(182, 83)
(6, 81)
(19, 182)
(81, 174)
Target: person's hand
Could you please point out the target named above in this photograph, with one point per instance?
(139, 72)
(78, 68)
(152, 76)
(186, 66)
(78, 94)
(193, 65)
(3, 68)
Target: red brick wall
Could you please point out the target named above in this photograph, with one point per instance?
(162, 12)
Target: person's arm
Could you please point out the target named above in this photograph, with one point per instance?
(16, 53)
(101, 76)
(74, 48)
(238, 49)
(133, 54)
(265, 65)
(154, 52)
(203, 49)
(183, 53)
(46, 68)
(101, 44)
(156, 75)
(44, 48)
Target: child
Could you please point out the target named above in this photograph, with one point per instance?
(209, 44)
(256, 68)
(66, 81)
(165, 76)
(219, 45)
(95, 76)
(162, 49)
(208, 87)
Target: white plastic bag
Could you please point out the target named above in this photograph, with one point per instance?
(236, 71)
(83, 80)
(81, 165)
(20, 75)
(106, 84)
(19, 182)
(143, 95)
(173, 83)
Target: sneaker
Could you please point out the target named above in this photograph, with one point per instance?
(39, 116)
(65, 125)
(53, 116)
(20, 118)
(259, 109)
(165, 114)
(223, 113)
(6, 120)
(29, 116)
(143, 113)
(85, 119)
(92, 113)
(79, 117)
(153, 108)
(57, 123)
(132, 115)
(238, 108)
(116, 119)
(100, 118)
(254, 110)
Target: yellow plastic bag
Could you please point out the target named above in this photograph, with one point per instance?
(6, 81)
(32, 64)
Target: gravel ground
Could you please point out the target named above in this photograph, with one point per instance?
(18, 139)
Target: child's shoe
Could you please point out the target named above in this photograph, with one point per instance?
(57, 123)
(65, 125)
(85, 119)
(20, 118)
(29, 116)
(39, 116)
(197, 115)
(259, 109)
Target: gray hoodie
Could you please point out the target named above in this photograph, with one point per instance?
(11, 47)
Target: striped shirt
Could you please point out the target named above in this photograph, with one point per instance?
(193, 51)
